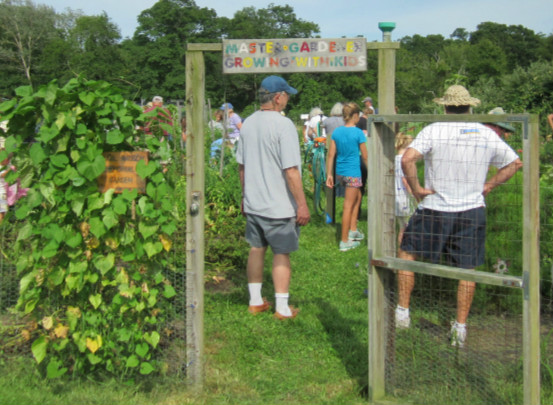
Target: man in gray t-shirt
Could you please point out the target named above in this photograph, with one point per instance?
(274, 204)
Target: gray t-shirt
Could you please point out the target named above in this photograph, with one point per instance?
(268, 145)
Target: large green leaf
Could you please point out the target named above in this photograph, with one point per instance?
(59, 160)
(142, 349)
(115, 137)
(147, 230)
(38, 348)
(132, 361)
(25, 231)
(152, 338)
(169, 291)
(104, 264)
(46, 134)
(120, 205)
(144, 170)
(110, 218)
(153, 249)
(146, 368)
(87, 97)
(92, 169)
(74, 240)
(77, 204)
(97, 227)
(54, 369)
(37, 153)
(95, 300)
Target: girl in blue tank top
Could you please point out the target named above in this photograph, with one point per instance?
(346, 144)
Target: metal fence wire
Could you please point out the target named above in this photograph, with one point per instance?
(421, 364)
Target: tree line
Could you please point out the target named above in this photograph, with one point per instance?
(504, 65)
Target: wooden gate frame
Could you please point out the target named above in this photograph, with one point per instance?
(195, 182)
(381, 237)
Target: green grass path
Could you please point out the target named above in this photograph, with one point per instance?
(320, 357)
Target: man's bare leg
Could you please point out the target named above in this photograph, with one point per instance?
(465, 294)
(405, 280)
(254, 270)
(281, 278)
(256, 261)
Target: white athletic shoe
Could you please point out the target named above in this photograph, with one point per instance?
(350, 244)
(355, 235)
(403, 321)
(458, 334)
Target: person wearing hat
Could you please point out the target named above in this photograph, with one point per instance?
(163, 117)
(273, 201)
(368, 101)
(232, 122)
(449, 225)
(503, 129)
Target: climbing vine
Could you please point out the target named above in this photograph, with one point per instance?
(92, 266)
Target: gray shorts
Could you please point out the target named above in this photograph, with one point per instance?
(282, 235)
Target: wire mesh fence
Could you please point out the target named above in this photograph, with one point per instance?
(422, 363)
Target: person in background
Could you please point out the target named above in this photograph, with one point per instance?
(405, 204)
(183, 128)
(503, 129)
(550, 120)
(345, 145)
(450, 220)
(163, 117)
(316, 117)
(368, 102)
(269, 164)
(233, 122)
(335, 120)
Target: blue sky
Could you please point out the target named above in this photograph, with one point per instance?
(354, 17)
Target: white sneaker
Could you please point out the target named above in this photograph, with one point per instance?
(350, 244)
(403, 320)
(458, 334)
(355, 235)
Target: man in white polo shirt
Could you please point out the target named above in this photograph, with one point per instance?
(450, 221)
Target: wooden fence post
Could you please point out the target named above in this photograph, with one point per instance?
(195, 188)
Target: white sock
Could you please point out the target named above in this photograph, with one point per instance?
(282, 304)
(403, 311)
(255, 293)
(460, 325)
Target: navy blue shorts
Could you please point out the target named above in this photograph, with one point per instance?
(455, 239)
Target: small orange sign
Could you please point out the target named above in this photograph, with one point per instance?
(121, 173)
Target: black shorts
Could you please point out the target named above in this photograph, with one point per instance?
(453, 238)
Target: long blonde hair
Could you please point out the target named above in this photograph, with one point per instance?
(349, 110)
(402, 141)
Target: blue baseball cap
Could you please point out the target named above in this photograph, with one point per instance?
(226, 106)
(275, 84)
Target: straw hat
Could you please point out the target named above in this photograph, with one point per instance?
(457, 95)
(504, 125)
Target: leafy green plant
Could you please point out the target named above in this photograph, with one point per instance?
(92, 265)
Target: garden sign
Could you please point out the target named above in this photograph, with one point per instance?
(294, 55)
